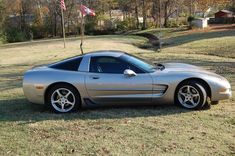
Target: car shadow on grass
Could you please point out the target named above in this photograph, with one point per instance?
(20, 110)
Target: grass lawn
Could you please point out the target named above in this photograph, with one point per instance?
(27, 129)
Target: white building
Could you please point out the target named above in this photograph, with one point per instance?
(200, 23)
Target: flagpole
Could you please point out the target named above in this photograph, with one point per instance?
(82, 29)
(84, 11)
(62, 14)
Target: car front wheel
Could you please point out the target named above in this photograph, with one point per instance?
(191, 95)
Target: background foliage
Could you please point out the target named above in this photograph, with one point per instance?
(22, 20)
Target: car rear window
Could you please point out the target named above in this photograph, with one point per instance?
(70, 64)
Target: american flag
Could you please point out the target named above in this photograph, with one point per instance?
(62, 3)
(86, 11)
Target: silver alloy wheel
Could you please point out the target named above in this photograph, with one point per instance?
(188, 96)
(63, 100)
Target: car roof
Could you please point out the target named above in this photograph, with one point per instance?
(113, 53)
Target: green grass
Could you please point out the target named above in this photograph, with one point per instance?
(199, 42)
(27, 129)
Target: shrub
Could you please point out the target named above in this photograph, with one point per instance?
(38, 32)
(173, 23)
(15, 35)
(125, 25)
(90, 25)
(151, 24)
(2, 38)
(190, 19)
(89, 28)
(103, 32)
(109, 24)
(107, 28)
(122, 25)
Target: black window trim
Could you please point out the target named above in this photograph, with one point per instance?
(66, 60)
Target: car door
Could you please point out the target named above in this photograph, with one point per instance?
(106, 83)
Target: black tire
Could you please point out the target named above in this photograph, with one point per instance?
(214, 102)
(197, 97)
(74, 96)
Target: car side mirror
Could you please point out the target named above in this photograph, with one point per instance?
(129, 73)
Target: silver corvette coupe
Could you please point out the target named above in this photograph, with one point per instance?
(117, 78)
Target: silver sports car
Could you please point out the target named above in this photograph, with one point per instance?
(117, 78)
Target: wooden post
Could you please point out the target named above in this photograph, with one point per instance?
(62, 14)
(159, 13)
(160, 26)
(82, 32)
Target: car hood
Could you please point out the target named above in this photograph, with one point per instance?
(187, 68)
(180, 66)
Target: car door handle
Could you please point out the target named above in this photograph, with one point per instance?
(95, 77)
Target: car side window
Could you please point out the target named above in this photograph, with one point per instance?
(104, 64)
(70, 65)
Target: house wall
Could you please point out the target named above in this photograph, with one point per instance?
(222, 20)
(200, 23)
(222, 14)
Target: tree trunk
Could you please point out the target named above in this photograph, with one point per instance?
(68, 29)
(22, 18)
(137, 14)
(166, 14)
(110, 14)
(155, 12)
(159, 13)
(110, 11)
(190, 8)
(144, 15)
(55, 24)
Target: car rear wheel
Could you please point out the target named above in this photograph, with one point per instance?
(63, 98)
(191, 95)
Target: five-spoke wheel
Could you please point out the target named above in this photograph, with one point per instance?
(191, 95)
(63, 98)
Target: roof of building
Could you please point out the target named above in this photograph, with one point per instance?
(226, 11)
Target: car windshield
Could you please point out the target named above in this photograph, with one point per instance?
(138, 62)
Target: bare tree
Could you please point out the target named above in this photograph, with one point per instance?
(137, 13)
(144, 14)
(170, 8)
